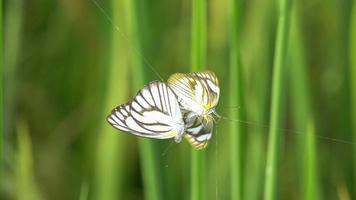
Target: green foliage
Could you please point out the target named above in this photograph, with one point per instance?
(1, 85)
(198, 63)
(148, 155)
(278, 92)
(302, 111)
(109, 179)
(26, 186)
(236, 98)
(352, 38)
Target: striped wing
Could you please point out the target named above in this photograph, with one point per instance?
(198, 92)
(153, 113)
(199, 131)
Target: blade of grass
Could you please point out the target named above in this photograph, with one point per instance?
(352, 57)
(12, 32)
(258, 48)
(111, 144)
(26, 184)
(236, 98)
(310, 164)
(198, 35)
(302, 116)
(84, 191)
(198, 61)
(149, 162)
(1, 87)
(270, 191)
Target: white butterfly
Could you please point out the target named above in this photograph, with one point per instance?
(198, 94)
(160, 111)
(153, 113)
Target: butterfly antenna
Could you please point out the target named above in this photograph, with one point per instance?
(217, 115)
(213, 118)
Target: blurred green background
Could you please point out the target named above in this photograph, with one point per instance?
(66, 64)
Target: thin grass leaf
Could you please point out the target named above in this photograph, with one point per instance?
(84, 191)
(111, 150)
(26, 184)
(198, 35)
(198, 61)
(310, 164)
(148, 153)
(13, 17)
(270, 191)
(302, 116)
(236, 98)
(12, 32)
(352, 57)
(257, 74)
(1, 86)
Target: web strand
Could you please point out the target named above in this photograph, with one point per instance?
(131, 45)
(164, 153)
(291, 131)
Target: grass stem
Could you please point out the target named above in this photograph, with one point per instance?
(270, 191)
(26, 184)
(198, 61)
(310, 164)
(236, 98)
(148, 156)
(352, 57)
(1, 86)
(302, 112)
(111, 144)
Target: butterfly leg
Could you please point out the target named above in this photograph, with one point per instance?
(179, 136)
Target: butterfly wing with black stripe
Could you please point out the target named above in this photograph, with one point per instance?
(199, 131)
(153, 113)
(197, 92)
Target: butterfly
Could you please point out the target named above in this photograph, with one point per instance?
(163, 111)
(198, 94)
(198, 130)
(153, 113)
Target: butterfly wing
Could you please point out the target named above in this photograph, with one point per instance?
(153, 113)
(197, 92)
(199, 132)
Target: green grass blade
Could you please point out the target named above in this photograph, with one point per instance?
(148, 155)
(111, 145)
(198, 61)
(352, 55)
(198, 35)
(270, 191)
(236, 98)
(198, 173)
(84, 191)
(13, 17)
(26, 184)
(12, 32)
(302, 116)
(1, 87)
(310, 164)
(256, 75)
(150, 170)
